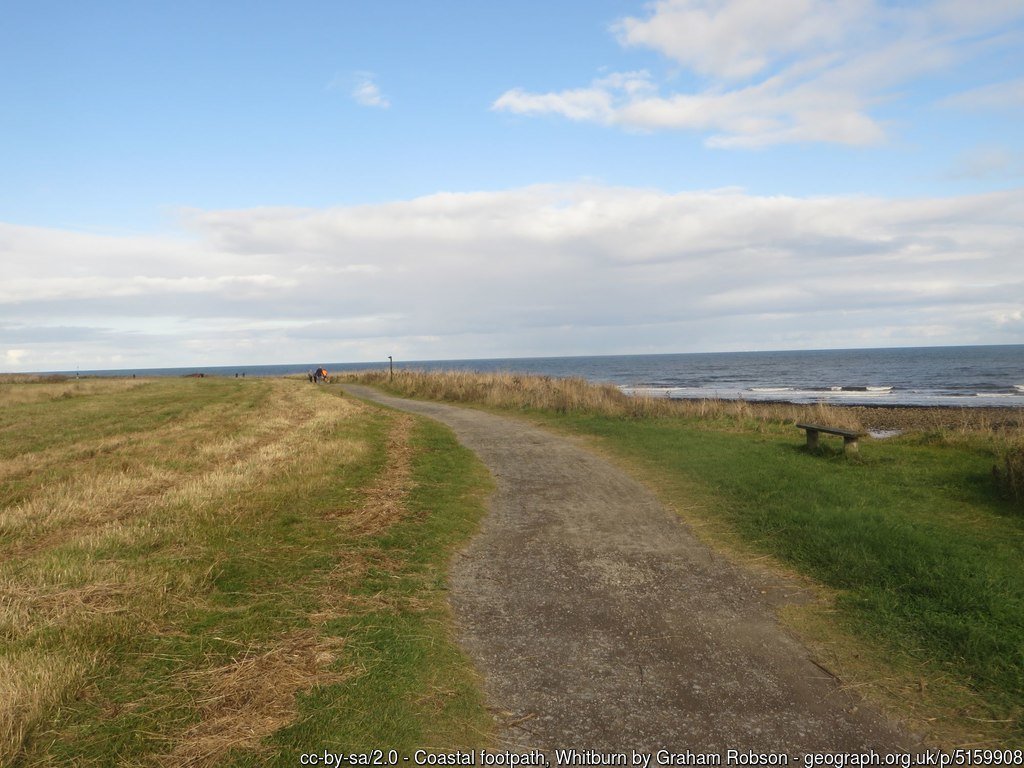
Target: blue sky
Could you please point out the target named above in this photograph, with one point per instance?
(201, 183)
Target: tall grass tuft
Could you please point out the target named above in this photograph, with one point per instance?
(578, 396)
(1011, 475)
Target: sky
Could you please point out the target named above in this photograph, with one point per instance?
(191, 183)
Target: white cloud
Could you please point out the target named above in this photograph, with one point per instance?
(36, 289)
(988, 162)
(366, 92)
(739, 39)
(780, 72)
(594, 103)
(538, 270)
(1007, 95)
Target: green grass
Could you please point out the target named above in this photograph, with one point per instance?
(417, 690)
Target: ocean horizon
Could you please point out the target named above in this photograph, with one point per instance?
(988, 375)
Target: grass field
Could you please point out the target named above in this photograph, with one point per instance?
(223, 572)
(916, 555)
(214, 572)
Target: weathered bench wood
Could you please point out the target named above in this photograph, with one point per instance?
(850, 437)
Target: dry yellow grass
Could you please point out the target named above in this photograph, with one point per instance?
(575, 395)
(32, 378)
(249, 698)
(86, 504)
(31, 684)
(385, 499)
(64, 596)
(16, 389)
(156, 488)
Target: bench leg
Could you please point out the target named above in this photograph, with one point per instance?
(812, 439)
(850, 445)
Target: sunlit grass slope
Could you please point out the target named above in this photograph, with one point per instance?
(216, 572)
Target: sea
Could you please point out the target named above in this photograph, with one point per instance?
(922, 376)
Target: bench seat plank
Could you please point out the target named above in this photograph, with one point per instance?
(850, 437)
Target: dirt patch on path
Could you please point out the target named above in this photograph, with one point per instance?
(600, 622)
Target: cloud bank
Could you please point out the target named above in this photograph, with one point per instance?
(782, 72)
(572, 269)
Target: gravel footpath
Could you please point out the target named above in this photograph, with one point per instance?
(599, 622)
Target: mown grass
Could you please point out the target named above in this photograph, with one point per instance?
(399, 636)
(914, 549)
(205, 572)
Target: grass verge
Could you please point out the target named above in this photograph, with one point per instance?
(202, 572)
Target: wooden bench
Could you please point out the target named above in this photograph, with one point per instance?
(850, 437)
